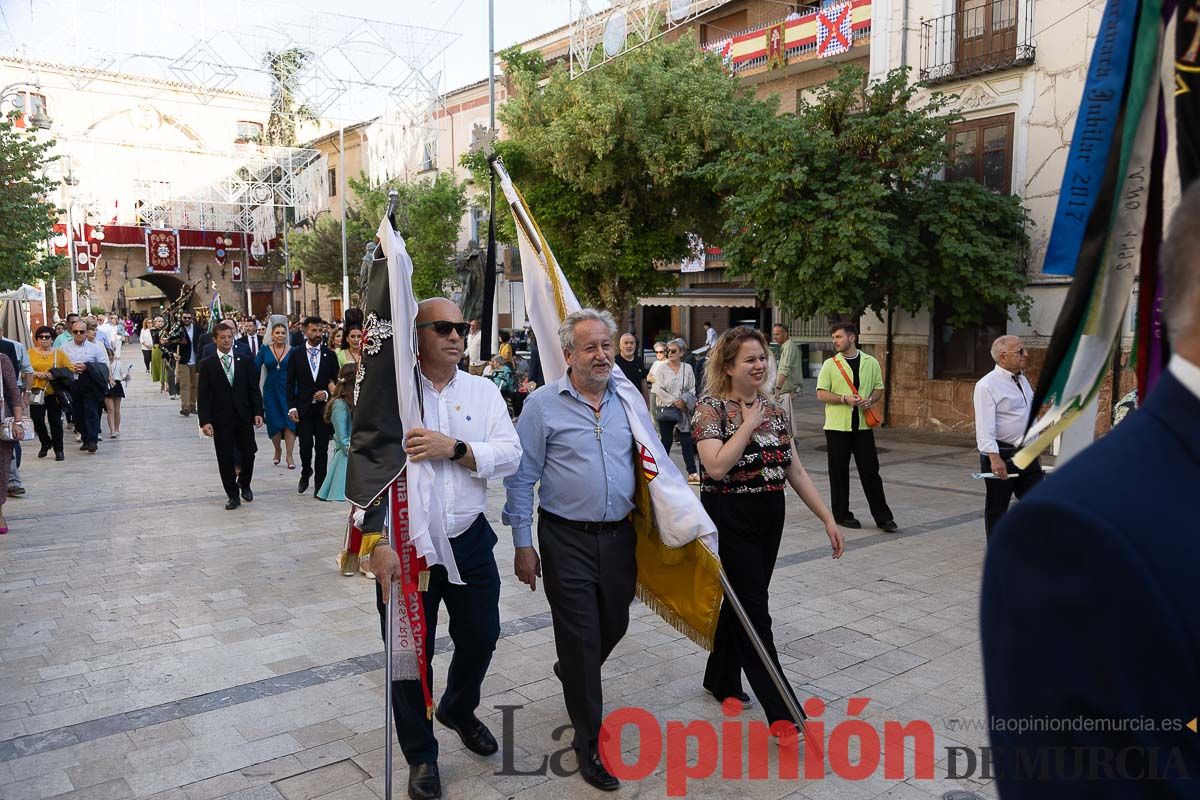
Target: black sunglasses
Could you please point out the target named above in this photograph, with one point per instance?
(45, 336)
(443, 327)
(79, 333)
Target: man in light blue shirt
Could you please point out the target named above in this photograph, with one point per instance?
(576, 441)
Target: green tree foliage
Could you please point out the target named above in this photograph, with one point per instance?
(428, 215)
(838, 209)
(26, 219)
(612, 163)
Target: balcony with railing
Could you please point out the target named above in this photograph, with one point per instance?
(809, 32)
(982, 36)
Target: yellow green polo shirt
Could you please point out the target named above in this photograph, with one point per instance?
(870, 378)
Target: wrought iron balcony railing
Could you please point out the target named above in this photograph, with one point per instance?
(983, 36)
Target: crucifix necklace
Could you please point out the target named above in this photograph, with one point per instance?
(598, 428)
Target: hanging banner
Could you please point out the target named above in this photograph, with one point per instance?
(258, 254)
(219, 252)
(834, 25)
(297, 279)
(237, 272)
(775, 46)
(83, 262)
(162, 250)
(94, 252)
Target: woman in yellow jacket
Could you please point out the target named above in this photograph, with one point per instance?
(43, 357)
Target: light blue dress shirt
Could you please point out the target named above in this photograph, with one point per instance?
(583, 477)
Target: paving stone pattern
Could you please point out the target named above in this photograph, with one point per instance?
(154, 645)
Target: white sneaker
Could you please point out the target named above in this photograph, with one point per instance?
(114, 435)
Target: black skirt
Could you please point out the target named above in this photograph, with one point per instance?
(116, 390)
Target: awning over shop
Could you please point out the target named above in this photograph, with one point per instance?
(699, 298)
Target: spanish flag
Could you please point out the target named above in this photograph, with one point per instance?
(678, 570)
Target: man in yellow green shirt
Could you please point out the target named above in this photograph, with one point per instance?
(846, 431)
(789, 377)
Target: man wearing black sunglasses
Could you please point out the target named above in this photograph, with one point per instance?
(1003, 398)
(468, 438)
(89, 362)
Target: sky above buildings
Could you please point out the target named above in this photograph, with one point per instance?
(222, 41)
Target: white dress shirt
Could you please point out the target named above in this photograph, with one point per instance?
(474, 343)
(1002, 403)
(1186, 373)
(470, 409)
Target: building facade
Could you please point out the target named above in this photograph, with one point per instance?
(1017, 69)
(137, 154)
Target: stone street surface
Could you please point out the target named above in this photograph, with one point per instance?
(153, 644)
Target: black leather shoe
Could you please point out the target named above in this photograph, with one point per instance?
(741, 697)
(593, 771)
(59, 456)
(232, 503)
(92, 448)
(849, 522)
(424, 782)
(558, 672)
(183, 412)
(43, 451)
(247, 495)
(474, 734)
(303, 487)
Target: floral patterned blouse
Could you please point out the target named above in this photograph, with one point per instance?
(764, 463)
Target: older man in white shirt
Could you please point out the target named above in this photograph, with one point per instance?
(1003, 399)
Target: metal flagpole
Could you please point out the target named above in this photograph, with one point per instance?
(393, 196)
(781, 684)
(387, 667)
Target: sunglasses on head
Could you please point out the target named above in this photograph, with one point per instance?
(442, 327)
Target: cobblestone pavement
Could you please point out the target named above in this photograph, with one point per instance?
(153, 644)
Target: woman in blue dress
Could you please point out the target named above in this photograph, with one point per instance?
(338, 414)
(275, 360)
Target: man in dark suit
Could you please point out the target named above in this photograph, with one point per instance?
(249, 342)
(231, 407)
(311, 369)
(1089, 609)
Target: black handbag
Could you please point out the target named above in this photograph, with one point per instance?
(668, 415)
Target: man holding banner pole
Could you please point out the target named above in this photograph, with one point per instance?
(578, 445)
(424, 442)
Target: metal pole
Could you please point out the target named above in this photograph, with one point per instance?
(781, 684)
(287, 291)
(342, 207)
(71, 251)
(494, 345)
(387, 667)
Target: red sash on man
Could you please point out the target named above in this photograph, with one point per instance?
(410, 648)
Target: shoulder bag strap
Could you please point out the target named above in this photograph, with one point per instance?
(842, 370)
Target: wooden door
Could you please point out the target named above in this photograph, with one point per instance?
(987, 34)
(260, 302)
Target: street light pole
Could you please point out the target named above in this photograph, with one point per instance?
(74, 262)
(342, 207)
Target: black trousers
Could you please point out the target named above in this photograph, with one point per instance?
(749, 530)
(841, 445)
(999, 493)
(667, 432)
(235, 448)
(86, 409)
(49, 413)
(590, 580)
(146, 355)
(474, 628)
(312, 430)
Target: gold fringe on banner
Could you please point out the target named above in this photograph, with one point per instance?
(680, 584)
